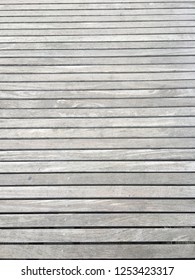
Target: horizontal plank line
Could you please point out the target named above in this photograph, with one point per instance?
(114, 185)
(97, 198)
(71, 138)
(117, 117)
(98, 172)
(95, 35)
(92, 127)
(94, 81)
(95, 149)
(99, 227)
(101, 243)
(99, 9)
(92, 213)
(89, 72)
(95, 98)
(72, 21)
(95, 28)
(125, 41)
(100, 160)
(94, 259)
(90, 64)
(138, 15)
(75, 3)
(83, 108)
(99, 49)
(85, 90)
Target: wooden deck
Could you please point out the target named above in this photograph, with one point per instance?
(97, 129)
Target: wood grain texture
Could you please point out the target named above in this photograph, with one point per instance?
(97, 192)
(102, 144)
(135, 113)
(96, 220)
(97, 166)
(97, 133)
(98, 251)
(95, 18)
(97, 129)
(96, 235)
(110, 178)
(97, 94)
(97, 103)
(90, 155)
(94, 205)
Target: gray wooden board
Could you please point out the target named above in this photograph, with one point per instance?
(106, 154)
(101, 85)
(97, 32)
(98, 12)
(97, 166)
(97, 205)
(93, 122)
(98, 46)
(164, 25)
(97, 94)
(96, 220)
(85, 144)
(13, 2)
(98, 6)
(66, 103)
(142, 37)
(96, 235)
(109, 178)
(97, 192)
(95, 18)
(173, 113)
(82, 77)
(78, 61)
(131, 251)
(175, 69)
(145, 132)
(97, 129)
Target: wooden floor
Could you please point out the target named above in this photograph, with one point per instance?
(97, 129)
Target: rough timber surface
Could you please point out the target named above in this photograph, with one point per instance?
(97, 129)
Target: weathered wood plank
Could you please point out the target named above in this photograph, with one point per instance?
(94, 122)
(110, 178)
(98, 31)
(98, 133)
(85, 144)
(96, 103)
(94, 205)
(101, 38)
(98, 12)
(96, 113)
(97, 25)
(86, 1)
(117, 154)
(97, 192)
(96, 18)
(78, 61)
(100, 69)
(98, 6)
(89, 85)
(82, 77)
(97, 166)
(97, 94)
(97, 251)
(96, 220)
(96, 235)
